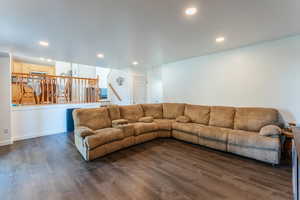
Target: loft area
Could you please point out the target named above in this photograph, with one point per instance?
(40, 84)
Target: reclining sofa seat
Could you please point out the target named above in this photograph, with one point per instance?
(230, 129)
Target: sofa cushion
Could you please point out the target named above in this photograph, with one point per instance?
(250, 144)
(252, 140)
(132, 112)
(253, 119)
(141, 128)
(93, 118)
(114, 112)
(173, 110)
(270, 130)
(153, 110)
(145, 137)
(164, 124)
(183, 119)
(119, 122)
(103, 136)
(146, 119)
(191, 128)
(197, 114)
(214, 137)
(222, 116)
(185, 136)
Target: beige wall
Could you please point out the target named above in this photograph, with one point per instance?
(266, 74)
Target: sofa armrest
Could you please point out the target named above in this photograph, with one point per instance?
(128, 129)
(270, 131)
(83, 131)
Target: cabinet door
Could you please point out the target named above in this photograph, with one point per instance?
(28, 68)
(40, 68)
(17, 67)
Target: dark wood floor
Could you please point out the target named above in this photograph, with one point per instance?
(51, 168)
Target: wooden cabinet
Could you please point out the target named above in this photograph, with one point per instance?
(22, 67)
(25, 94)
(287, 146)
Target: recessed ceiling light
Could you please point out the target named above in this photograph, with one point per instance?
(44, 43)
(135, 63)
(220, 39)
(100, 55)
(191, 11)
(49, 60)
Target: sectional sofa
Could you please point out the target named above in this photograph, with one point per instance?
(100, 131)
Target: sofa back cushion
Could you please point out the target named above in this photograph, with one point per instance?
(132, 112)
(93, 118)
(173, 110)
(253, 119)
(197, 114)
(114, 112)
(153, 110)
(221, 116)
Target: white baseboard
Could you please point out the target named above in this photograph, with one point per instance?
(25, 136)
(5, 142)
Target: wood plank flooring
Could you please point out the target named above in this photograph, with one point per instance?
(51, 168)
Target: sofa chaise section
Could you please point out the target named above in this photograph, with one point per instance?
(102, 138)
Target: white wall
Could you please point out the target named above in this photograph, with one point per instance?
(102, 73)
(36, 121)
(267, 74)
(126, 91)
(155, 87)
(83, 71)
(5, 98)
(62, 68)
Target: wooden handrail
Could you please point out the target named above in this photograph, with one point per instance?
(115, 92)
(50, 89)
(51, 76)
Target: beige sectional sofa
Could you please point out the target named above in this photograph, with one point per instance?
(100, 131)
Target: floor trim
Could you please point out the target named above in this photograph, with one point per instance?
(35, 135)
(6, 142)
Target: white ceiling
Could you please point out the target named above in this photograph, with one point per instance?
(149, 31)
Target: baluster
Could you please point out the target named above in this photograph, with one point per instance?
(56, 90)
(21, 99)
(75, 91)
(89, 92)
(80, 89)
(98, 89)
(79, 92)
(51, 91)
(85, 91)
(64, 91)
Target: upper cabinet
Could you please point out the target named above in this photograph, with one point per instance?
(21, 67)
